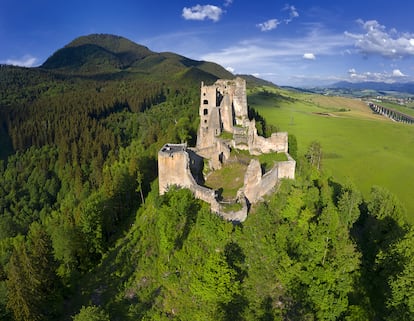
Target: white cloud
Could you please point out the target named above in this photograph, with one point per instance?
(384, 76)
(273, 23)
(200, 12)
(268, 25)
(231, 69)
(262, 51)
(278, 61)
(227, 3)
(309, 56)
(378, 40)
(25, 61)
(293, 13)
(397, 73)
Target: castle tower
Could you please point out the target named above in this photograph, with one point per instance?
(210, 118)
(173, 167)
(222, 105)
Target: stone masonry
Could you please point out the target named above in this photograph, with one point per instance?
(223, 109)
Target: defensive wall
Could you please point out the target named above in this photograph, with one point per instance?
(223, 108)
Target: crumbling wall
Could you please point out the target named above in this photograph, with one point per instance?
(227, 114)
(223, 106)
(174, 168)
(216, 154)
(277, 142)
(240, 101)
(287, 168)
(210, 118)
(257, 185)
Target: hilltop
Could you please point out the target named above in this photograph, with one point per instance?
(108, 54)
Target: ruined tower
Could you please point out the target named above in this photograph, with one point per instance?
(222, 106)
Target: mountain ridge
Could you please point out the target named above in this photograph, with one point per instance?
(104, 53)
(407, 87)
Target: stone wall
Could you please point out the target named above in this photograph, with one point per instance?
(240, 101)
(287, 169)
(210, 118)
(227, 114)
(257, 185)
(223, 106)
(277, 142)
(174, 168)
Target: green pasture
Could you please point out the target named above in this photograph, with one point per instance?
(358, 146)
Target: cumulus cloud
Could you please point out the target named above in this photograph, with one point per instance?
(376, 39)
(397, 73)
(200, 12)
(231, 69)
(386, 77)
(228, 3)
(293, 13)
(268, 25)
(25, 61)
(309, 56)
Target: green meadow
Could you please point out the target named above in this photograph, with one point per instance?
(358, 146)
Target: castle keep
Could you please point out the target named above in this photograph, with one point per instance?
(223, 114)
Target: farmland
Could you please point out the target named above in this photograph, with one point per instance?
(358, 146)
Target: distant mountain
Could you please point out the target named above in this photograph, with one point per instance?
(97, 53)
(253, 81)
(107, 54)
(377, 86)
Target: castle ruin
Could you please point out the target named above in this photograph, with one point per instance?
(223, 109)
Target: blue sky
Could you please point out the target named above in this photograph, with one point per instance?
(298, 43)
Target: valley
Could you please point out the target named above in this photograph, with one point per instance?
(358, 145)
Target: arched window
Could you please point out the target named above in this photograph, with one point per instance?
(205, 102)
(205, 111)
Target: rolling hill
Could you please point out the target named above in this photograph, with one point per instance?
(108, 54)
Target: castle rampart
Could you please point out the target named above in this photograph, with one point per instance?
(223, 107)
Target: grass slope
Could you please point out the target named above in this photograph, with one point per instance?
(359, 146)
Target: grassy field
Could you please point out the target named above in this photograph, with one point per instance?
(228, 180)
(358, 146)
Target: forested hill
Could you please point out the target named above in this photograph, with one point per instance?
(102, 54)
(84, 234)
(78, 142)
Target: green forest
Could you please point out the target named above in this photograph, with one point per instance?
(84, 234)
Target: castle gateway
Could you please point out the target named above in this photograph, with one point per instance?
(225, 127)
